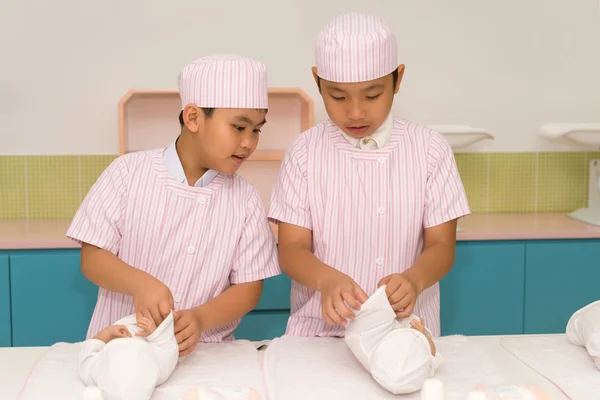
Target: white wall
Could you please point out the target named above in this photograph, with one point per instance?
(505, 65)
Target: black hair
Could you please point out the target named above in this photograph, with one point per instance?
(394, 77)
(208, 112)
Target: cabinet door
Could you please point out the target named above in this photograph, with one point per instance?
(262, 325)
(561, 277)
(51, 300)
(483, 293)
(276, 293)
(5, 329)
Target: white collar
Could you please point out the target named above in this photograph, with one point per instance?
(175, 168)
(380, 136)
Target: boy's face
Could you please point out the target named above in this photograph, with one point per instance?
(359, 108)
(225, 139)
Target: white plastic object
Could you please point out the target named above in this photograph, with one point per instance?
(461, 136)
(591, 214)
(92, 393)
(476, 395)
(587, 135)
(433, 389)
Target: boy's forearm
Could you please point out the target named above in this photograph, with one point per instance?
(235, 302)
(432, 265)
(109, 272)
(302, 265)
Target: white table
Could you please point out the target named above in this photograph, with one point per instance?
(15, 364)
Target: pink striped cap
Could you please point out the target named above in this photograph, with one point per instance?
(224, 81)
(356, 47)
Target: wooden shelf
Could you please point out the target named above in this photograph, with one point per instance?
(148, 119)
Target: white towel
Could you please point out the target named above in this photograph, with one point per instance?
(583, 329)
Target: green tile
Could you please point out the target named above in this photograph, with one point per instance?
(13, 192)
(561, 181)
(512, 182)
(53, 186)
(91, 168)
(473, 168)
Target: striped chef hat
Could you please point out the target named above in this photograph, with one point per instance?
(356, 47)
(224, 81)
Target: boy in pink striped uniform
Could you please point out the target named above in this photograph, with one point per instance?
(176, 228)
(364, 199)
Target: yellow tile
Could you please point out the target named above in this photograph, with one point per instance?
(91, 168)
(473, 168)
(53, 186)
(13, 194)
(512, 182)
(561, 181)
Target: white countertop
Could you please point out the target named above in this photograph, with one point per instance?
(16, 363)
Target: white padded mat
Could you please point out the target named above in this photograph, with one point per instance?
(55, 376)
(299, 368)
(568, 366)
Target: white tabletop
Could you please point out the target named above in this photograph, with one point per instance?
(15, 364)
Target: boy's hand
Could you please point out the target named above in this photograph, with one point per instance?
(401, 293)
(187, 331)
(147, 325)
(153, 300)
(112, 332)
(339, 293)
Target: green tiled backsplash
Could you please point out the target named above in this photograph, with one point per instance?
(52, 187)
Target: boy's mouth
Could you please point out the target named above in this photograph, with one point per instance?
(358, 129)
(239, 159)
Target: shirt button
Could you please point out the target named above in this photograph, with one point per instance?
(190, 249)
(178, 298)
(379, 261)
(202, 200)
(381, 160)
(380, 210)
(366, 140)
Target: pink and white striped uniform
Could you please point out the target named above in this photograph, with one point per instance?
(366, 209)
(196, 240)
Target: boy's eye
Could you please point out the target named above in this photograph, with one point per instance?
(338, 98)
(238, 128)
(373, 97)
(257, 131)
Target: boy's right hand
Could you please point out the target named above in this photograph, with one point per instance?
(153, 300)
(339, 293)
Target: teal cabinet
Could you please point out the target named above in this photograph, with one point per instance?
(262, 325)
(561, 278)
(5, 326)
(51, 300)
(276, 293)
(483, 293)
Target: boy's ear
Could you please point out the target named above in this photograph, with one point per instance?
(316, 78)
(400, 75)
(193, 118)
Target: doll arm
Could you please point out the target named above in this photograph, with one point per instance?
(417, 323)
(88, 354)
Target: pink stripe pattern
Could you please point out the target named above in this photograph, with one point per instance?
(356, 47)
(366, 209)
(224, 81)
(196, 240)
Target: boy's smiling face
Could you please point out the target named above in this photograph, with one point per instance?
(359, 108)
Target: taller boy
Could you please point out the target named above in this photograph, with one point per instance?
(364, 198)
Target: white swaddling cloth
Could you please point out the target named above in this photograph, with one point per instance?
(220, 393)
(583, 329)
(397, 356)
(130, 368)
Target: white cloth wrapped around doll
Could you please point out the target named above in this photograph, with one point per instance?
(583, 329)
(129, 368)
(398, 357)
(220, 393)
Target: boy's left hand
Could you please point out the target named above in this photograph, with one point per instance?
(187, 331)
(401, 293)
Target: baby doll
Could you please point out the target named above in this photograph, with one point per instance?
(127, 360)
(399, 354)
